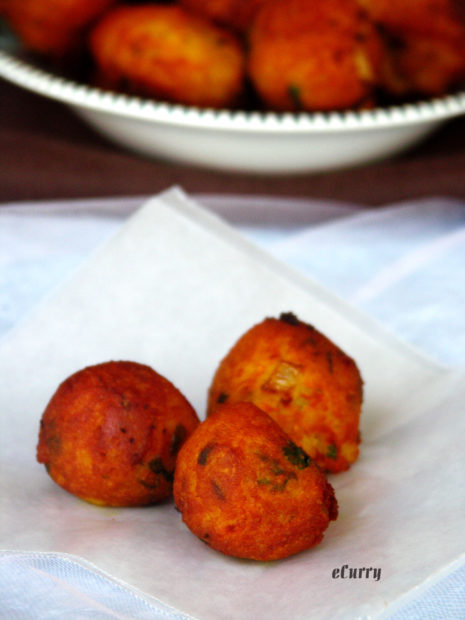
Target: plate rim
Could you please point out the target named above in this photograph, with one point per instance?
(79, 95)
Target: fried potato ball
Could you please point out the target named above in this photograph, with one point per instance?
(53, 27)
(168, 53)
(428, 17)
(425, 40)
(314, 55)
(247, 490)
(111, 433)
(424, 66)
(311, 388)
(237, 14)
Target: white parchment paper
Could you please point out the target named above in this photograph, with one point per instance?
(174, 289)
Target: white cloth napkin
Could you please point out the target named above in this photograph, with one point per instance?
(403, 265)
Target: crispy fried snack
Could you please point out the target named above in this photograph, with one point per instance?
(425, 40)
(424, 66)
(247, 490)
(53, 27)
(168, 53)
(111, 434)
(314, 55)
(237, 14)
(428, 17)
(311, 388)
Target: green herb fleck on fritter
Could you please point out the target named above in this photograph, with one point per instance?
(331, 452)
(296, 455)
(294, 95)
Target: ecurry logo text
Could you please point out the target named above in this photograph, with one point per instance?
(348, 572)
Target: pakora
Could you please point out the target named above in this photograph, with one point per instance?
(317, 56)
(236, 14)
(166, 52)
(425, 43)
(245, 489)
(55, 28)
(305, 382)
(111, 433)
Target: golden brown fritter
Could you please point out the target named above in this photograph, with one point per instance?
(427, 17)
(168, 53)
(314, 55)
(247, 490)
(311, 388)
(237, 14)
(111, 434)
(425, 41)
(422, 65)
(53, 27)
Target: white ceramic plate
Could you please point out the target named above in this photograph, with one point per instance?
(242, 141)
